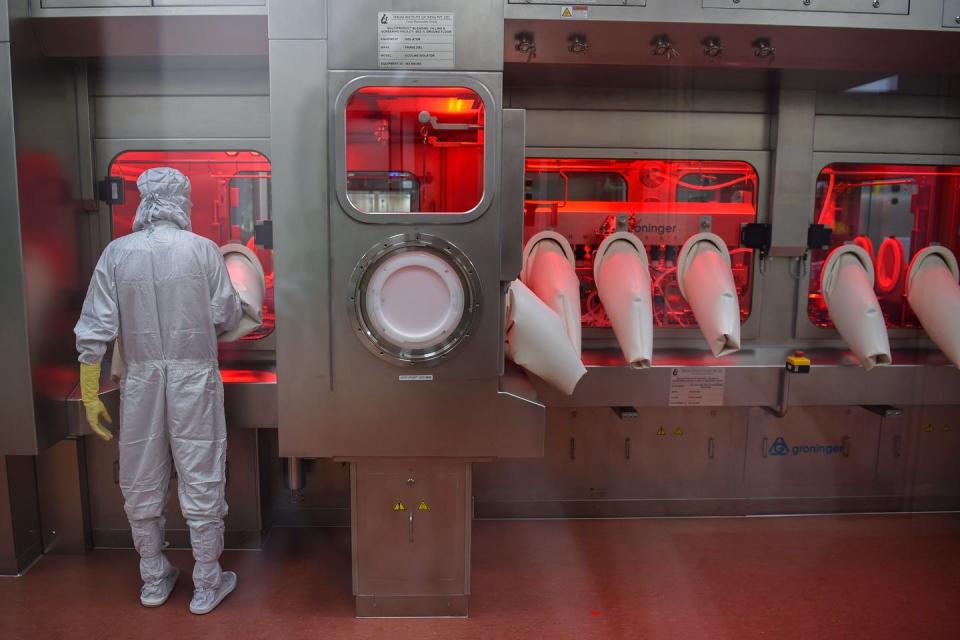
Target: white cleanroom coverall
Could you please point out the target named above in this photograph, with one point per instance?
(166, 293)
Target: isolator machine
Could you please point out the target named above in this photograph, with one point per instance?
(500, 259)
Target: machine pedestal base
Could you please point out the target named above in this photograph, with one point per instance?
(412, 606)
(411, 536)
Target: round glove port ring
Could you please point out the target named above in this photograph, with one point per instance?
(414, 298)
(890, 263)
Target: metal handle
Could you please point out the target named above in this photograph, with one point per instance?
(577, 44)
(410, 527)
(897, 446)
(663, 48)
(573, 448)
(524, 43)
(712, 48)
(846, 446)
(711, 447)
(762, 48)
(626, 449)
(763, 447)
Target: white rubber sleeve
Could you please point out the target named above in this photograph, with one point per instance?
(847, 284)
(246, 274)
(622, 276)
(706, 282)
(934, 296)
(549, 271)
(537, 341)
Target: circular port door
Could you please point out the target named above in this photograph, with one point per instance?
(414, 299)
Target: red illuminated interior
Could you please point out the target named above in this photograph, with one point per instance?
(415, 149)
(231, 197)
(892, 211)
(662, 202)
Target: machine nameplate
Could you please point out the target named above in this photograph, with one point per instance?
(697, 387)
(415, 40)
(416, 378)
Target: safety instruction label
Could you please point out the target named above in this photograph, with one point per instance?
(415, 40)
(575, 11)
(697, 386)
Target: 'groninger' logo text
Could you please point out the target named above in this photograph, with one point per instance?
(781, 448)
(662, 229)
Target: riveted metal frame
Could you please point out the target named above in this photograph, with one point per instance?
(491, 145)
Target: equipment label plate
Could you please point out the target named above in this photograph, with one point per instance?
(697, 386)
(416, 378)
(415, 40)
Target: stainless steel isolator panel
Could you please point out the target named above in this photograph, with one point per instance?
(897, 7)
(477, 25)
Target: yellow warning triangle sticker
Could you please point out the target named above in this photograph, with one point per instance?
(678, 432)
(399, 506)
(929, 428)
(946, 428)
(423, 506)
(566, 13)
(661, 432)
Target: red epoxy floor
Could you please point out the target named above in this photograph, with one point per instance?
(806, 577)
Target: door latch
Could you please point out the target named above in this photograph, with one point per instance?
(110, 190)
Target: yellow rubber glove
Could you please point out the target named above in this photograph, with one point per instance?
(90, 392)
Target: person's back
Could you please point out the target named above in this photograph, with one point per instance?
(156, 270)
(166, 294)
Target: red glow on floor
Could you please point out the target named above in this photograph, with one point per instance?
(235, 376)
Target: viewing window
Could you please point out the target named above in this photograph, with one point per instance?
(662, 202)
(577, 186)
(231, 203)
(892, 211)
(415, 150)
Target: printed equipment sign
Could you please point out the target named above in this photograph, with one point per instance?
(415, 40)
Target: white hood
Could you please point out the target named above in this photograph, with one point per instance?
(164, 195)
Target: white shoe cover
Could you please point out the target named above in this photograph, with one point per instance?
(206, 600)
(157, 593)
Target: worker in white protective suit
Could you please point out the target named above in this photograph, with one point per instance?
(166, 294)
